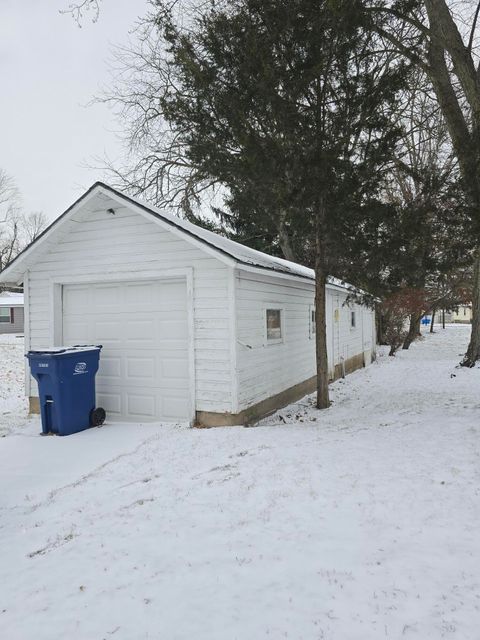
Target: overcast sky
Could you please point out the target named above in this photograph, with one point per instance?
(49, 69)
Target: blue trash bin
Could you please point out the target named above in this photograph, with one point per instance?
(66, 386)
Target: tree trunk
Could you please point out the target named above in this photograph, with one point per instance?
(443, 318)
(446, 37)
(412, 331)
(473, 351)
(323, 401)
(419, 327)
(432, 321)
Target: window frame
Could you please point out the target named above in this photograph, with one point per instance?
(353, 319)
(4, 319)
(273, 306)
(312, 326)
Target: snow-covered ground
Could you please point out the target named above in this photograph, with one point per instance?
(357, 523)
(13, 404)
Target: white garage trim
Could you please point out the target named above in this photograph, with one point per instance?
(26, 331)
(233, 332)
(185, 274)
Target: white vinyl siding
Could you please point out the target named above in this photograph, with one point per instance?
(98, 244)
(263, 371)
(348, 340)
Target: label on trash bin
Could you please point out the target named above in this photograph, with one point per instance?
(80, 367)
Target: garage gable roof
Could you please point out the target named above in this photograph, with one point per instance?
(224, 247)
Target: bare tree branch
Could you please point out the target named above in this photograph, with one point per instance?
(78, 10)
(472, 30)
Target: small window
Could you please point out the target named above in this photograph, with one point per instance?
(464, 311)
(274, 325)
(353, 319)
(313, 322)
(5, 314)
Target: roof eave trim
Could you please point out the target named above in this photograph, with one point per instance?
(17, 264)
(268, 271)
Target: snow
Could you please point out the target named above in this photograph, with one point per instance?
(13, 404)
(68, 350)
(11, 299)
(359, 522)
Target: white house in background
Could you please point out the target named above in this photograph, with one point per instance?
(193, 326)
(11, 312)
(462, 314)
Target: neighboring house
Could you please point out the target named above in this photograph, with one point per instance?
(462, 314)
(11, 312)
(194, 326)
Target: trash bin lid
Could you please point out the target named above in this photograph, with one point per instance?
(60, 350)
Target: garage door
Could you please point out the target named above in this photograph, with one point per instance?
(143, 328)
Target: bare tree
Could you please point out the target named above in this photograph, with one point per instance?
(423, 187)
(9, 219)
(9, 196)
(9, 239)
(441, 39)
(17, 228)
(32, 226)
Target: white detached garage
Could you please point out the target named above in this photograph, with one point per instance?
(193, 326)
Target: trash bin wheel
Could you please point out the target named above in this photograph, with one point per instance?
(97, 417)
